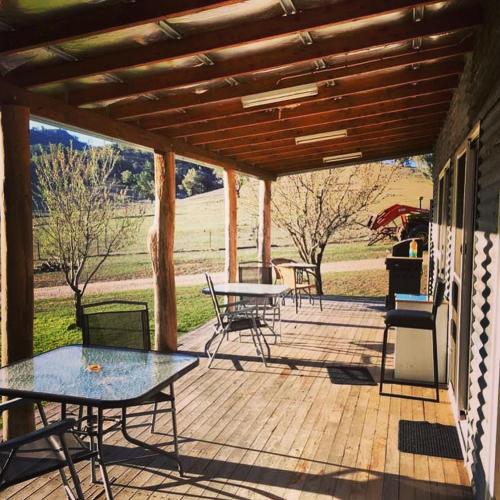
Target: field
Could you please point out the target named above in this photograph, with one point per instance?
(199, 235)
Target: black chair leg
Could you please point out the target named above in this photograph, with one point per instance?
(435, 362)
(384, 354)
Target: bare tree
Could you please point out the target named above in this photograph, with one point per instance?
(81, 200)
(313, 207)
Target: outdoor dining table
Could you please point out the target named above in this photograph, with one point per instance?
(99, 378)
(258, 291)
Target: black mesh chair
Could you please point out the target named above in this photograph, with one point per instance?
(50, 448)
(422, 320)
(125, 324)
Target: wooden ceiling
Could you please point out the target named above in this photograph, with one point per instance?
(172, 74)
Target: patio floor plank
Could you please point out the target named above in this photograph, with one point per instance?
(284, 431)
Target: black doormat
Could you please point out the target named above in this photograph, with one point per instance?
(434, 440)
(350, 375)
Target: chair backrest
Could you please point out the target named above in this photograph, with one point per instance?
(215, 302)
(116, 323)
(289, 276)
(276, 262)
(437, 300)
(251, 271)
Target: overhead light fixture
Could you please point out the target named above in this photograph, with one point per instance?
(334, 134)
(347, 156)
(279, 95)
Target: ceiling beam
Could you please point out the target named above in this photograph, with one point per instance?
(353, 144)
(285, 117)
(368, 150)
(428, 78)
(340, 44)
(100, 19)
(304, 122)
(371, 130)
(248, 32)
(55, 111)
(430, 129)
(395, 115)
(373, 157)
(234, 93)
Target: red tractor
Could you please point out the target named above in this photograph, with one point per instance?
(414, 223)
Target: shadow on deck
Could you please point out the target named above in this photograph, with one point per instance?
(286, 430)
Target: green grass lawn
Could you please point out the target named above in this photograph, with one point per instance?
(373, 284)
(54, 318)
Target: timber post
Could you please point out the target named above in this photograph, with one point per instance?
(161, 247)
(264, 250)
(231, 225)
(16, 235)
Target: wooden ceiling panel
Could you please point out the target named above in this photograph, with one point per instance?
(234, 93)
(216, 116)
(248, 32)
(372, 130)
(343, 43)
(328, 117)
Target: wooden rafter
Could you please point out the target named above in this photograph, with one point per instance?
(430, 78)
(431, 129)
(368, 102)
(371, 130)
(233, 94)
(346, 146)
(396, 115)
(305, 122)
(100, 19)
(54, 110)
(346, 42)
(373, 156)
(252, 31)
(396, 146)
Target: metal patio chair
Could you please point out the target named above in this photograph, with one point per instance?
(108, 324)
(424, 320)
(254, 271)
(50, 448)
(235, 317)
(299, 282)
(276, 263)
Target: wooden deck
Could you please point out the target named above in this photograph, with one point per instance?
(285, 431)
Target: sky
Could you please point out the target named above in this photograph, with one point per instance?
(87, 139)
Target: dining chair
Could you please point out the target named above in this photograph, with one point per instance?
(51, 448)
(277, 272)
(423, 320)
(299, 283)
(255, 271)
(235, 317)
(125, 324)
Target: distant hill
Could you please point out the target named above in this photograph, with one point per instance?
(136, 163)
(46, 136)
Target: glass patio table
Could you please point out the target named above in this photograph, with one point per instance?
(96, 377)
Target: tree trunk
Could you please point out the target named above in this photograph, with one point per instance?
(77, 300)
(316, 259)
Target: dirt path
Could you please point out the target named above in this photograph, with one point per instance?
(192, 279)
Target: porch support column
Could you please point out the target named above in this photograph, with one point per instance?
(264, 250)
(16, 237)
(231, 225)
(161, 247)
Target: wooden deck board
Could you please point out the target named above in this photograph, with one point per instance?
(285, 430)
